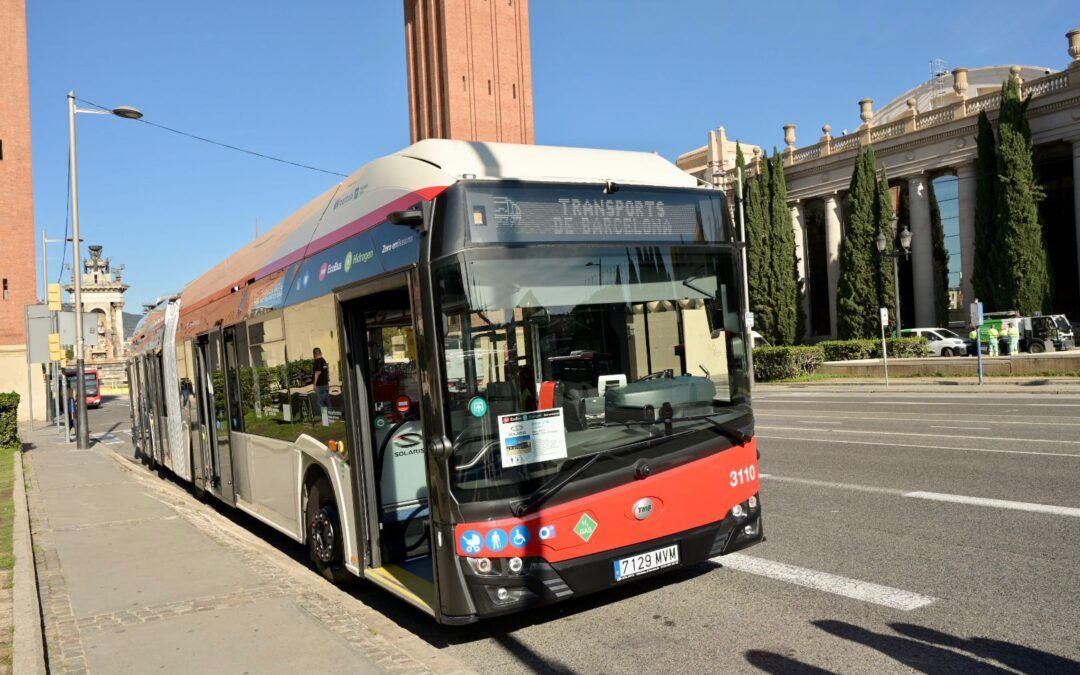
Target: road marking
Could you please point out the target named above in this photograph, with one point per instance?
(937, 426)
(997, 503)
(832, 484)
(829, 583)
(996, 419)
(816, 422)
(912, 433)
(935, 496)
(981, 404)
(923, 447)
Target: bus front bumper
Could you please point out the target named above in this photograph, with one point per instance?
(542, 583)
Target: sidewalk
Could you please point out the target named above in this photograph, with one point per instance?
(943, 385)
(136, 576)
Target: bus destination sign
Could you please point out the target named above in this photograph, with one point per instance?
(544, 216)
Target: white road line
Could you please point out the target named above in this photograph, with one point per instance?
(816, 422)
(831, 484)
(997, 503)
(896, 417)
(829, 583)
(923, 447)
(938, 426)
(980, 404)
(912, 433)
(934, 496)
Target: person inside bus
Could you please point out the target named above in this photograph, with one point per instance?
(320, 376)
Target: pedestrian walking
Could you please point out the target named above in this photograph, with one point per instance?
(993, 335)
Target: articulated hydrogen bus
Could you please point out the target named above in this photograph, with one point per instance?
(485, 377)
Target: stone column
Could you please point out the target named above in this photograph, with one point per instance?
(832, 253)
(922, 251)
(965, 191)
(802, 265)
(1076, 187)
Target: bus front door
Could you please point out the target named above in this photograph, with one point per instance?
(385, 380)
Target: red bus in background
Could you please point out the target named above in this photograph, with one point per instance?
(93, 385)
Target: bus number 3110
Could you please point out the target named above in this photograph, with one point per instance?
(743, 475)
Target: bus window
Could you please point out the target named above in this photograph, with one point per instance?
(316, 400)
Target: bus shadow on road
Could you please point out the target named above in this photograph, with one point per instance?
(926, 650)
(497, 629)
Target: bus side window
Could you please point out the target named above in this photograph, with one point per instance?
(316, 399)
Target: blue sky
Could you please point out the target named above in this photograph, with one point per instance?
(324, 84)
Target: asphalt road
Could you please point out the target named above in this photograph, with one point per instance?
(906, 532)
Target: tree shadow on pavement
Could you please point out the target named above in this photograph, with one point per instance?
(771, 662)
(1019, 657)
(925, 650)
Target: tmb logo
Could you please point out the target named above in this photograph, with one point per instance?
(322, 272)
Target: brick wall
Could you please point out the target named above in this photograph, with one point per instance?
(17, 264)
(470, 70)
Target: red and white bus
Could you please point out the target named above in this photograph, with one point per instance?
(484, 377)
(93, 385)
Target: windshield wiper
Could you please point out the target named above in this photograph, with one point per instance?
(551, 487)
(730, 432)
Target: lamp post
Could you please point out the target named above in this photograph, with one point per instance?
(905, 250)
(127, 112)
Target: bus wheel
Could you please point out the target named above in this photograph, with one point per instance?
(1037, 347)
(324, 535)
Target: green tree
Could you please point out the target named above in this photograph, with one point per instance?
(1025, 269)
(857, 293)
(941, 261)
(784, 265)
(986, 274)
(883, 212)
(757, 254)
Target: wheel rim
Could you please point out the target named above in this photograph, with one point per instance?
(323, 536)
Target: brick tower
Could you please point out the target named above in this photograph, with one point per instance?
(17, 264)
(470, 73)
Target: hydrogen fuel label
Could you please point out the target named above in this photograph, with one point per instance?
(531, 437)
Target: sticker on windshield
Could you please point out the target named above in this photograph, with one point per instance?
(532, 437)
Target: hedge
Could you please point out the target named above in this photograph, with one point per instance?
(9, 420)
(847, 350)
(785, 363)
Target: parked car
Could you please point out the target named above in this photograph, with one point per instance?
(759, 341)
(943, 342)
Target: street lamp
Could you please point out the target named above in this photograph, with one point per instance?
(905, 250)
(126, 112)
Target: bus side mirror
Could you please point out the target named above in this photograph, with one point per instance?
(416, 219)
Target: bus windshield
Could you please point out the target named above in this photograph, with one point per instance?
(555, 353)
(91, 380)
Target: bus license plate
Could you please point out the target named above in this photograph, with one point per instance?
(646, 562)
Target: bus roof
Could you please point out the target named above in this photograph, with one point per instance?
(398, 181)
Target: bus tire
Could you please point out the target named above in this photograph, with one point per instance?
(324, 534)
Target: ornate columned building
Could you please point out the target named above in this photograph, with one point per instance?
(103, 294)
(925, 140)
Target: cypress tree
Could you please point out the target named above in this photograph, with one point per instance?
(941, 261)
(883, 211)
(784, 268)
(1024, 272)
(986, 274)
(857, 291)
(758, 255)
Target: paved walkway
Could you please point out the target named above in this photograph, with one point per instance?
(136, 576)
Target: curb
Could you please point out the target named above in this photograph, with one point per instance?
(28, 644)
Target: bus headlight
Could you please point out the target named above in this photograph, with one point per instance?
(752, 502)
(738, 511)
(516, 565)
(480, 565)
